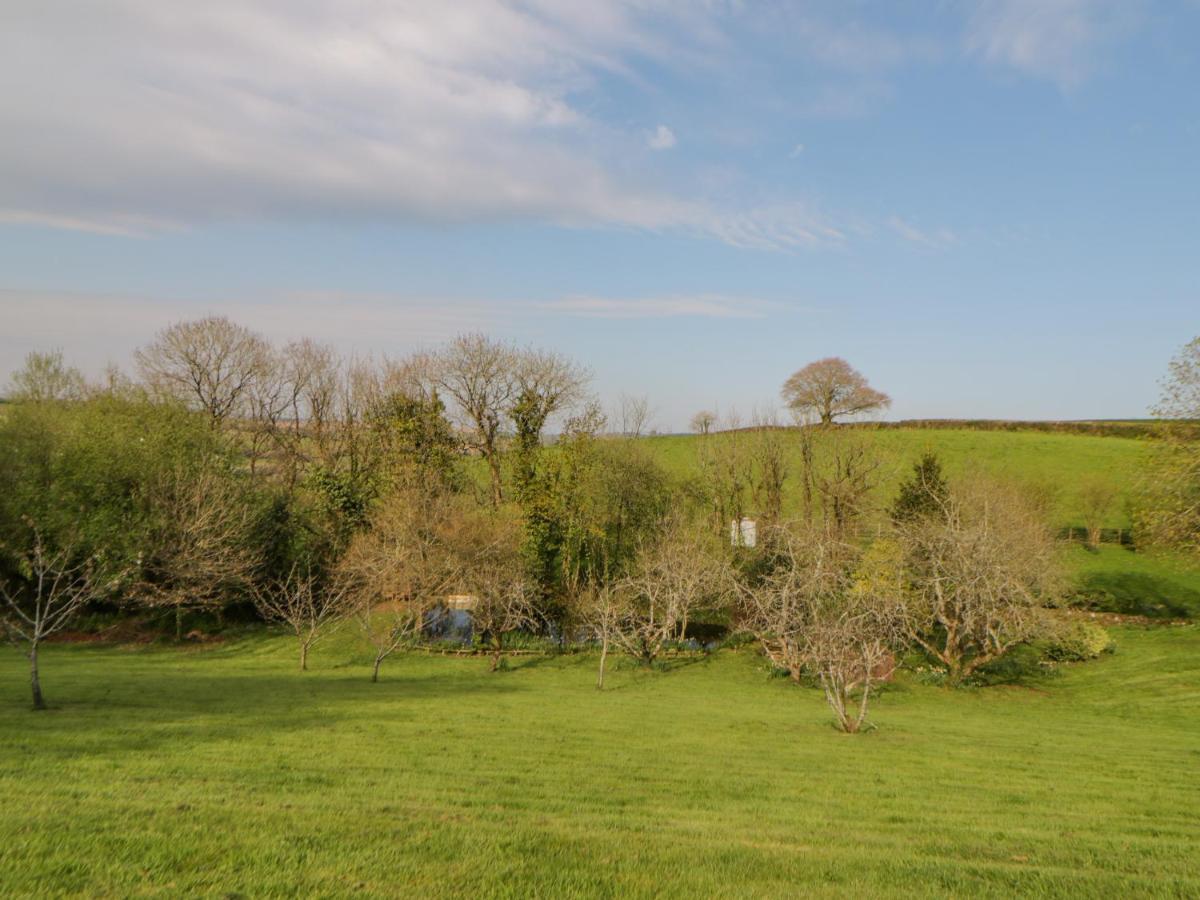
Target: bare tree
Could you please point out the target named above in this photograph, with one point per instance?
(769, 471)
(55, 590)
(200, 551)
(305, 603)
(479, 374)
(211, 364)
(605, 611)
(400, 569)
(843, 471)
(492, 573)
(830, 389)
(672, 579)
(45, 377)
(633, 413)
(814, 613)
(979, 576)
(547, 383)
(703, 421)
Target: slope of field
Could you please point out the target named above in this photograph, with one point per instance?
(1059, 463)
(224, 771)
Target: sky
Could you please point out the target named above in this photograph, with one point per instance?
(990, 208)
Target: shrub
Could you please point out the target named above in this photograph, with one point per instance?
(1079, 640)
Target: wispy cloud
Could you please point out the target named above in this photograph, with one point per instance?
(938, 238)
(1054, 39)
(707, 306)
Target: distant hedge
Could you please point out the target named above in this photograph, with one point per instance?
(1129, 428)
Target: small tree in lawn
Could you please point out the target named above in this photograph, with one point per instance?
(605, 612)
(821, 610)
(492, 571)
(831, 389)
(305, 603)
(400, 569)
(52, 591)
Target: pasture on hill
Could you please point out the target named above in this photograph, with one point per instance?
(221, 771)
(1058, 462)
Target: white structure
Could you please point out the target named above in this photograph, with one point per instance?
(743, 532)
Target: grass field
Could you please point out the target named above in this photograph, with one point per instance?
(1059, 462)
(224, 772)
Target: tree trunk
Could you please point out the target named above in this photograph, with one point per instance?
(303, 656)
(35, 683)
(497, 649)
(603, 659)
(375, 669)
(178, 623)
(494, 467)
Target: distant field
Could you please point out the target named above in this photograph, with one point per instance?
(224, 772)
(1059, 461)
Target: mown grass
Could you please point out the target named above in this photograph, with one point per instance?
(224, 772)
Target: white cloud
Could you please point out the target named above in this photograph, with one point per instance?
(662, 138)
(708, 306)
(1053, 39)
(796, 151)
(937, 239)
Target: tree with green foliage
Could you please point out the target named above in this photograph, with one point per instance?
(1169, 514)
(923, 493)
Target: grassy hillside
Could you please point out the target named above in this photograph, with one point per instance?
(225, 772)
(1060, 462)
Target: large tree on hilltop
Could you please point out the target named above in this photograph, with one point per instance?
(831, 388)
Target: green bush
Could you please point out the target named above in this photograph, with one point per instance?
(1079, 640)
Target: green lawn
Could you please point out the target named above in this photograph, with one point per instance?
(224, 772)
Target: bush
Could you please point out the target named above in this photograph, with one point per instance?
(1079, 640)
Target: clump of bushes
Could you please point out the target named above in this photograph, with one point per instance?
(1078, 640)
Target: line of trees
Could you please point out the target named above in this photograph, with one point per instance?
(231, 477)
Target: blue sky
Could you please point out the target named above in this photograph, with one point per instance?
(991, 208)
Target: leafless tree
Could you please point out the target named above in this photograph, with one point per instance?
(548, 384)
(400, 569)
(212, 364)
(633, 413)
(305, 603)
(45, 377)
(814, 613)
(200, 551)
(769, 470)
(830, 389)
(605, 611)
(703, 421)
(726, 467)
(672, 579)
(479, 375)
(843, 469)
(979, 575)
(56, 589)
(492, 573)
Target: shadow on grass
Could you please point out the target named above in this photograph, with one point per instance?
(153, 710)
(1138, 594)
